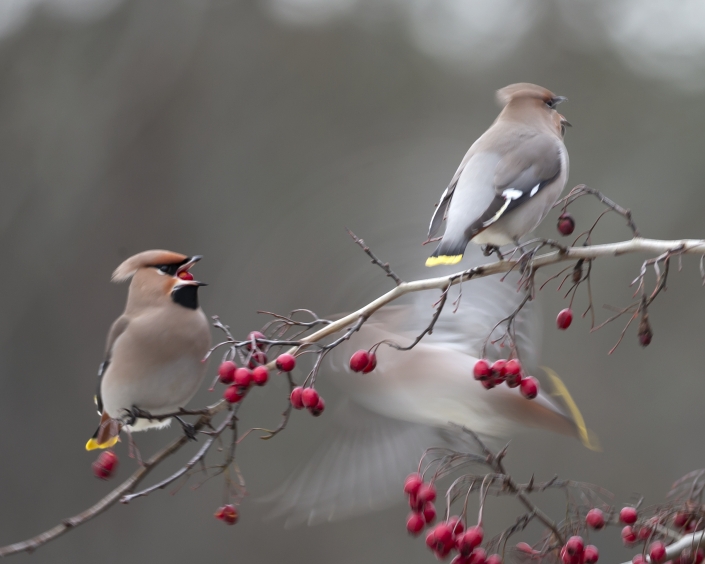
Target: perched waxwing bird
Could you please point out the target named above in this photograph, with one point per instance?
(154, 359)
(508, 180)
(416, 399)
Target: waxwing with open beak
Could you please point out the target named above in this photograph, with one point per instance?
(154, 359)
(509, 179)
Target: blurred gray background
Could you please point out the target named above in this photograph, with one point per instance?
(252, 132)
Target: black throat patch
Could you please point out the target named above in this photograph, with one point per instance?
(186, 296)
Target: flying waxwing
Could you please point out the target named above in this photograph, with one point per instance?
(509, 179)
(415, 399)
(154, 359)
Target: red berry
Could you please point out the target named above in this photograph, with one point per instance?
(258, 358)
(456, 525)
(359, 361)
(226, 371)
(681, 520)
(286, 362)
(471, 539)
(564, 319)
(628, 535)
(185, 275)
(628, 515)
(228, 514)
(595, 519)
(253, 336)
(429, 512)
(371, 365)
(499, 371)
(513, 367)
(494, 559)
(243, 377)
(412, 483)
(575, 545)
(443, 534)
(529, 387)
(644, 533)
(566, 224)
(478, 556)
(233, 394)
(591, 554)
(657, 552)
(482, 369)
(296, 399)
(459, 559)
(319, 407)
(309, 397)
(105, 465)
(415, 524)
(639, 559)
(427, 492)
(260, 375)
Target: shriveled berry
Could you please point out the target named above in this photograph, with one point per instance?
(590, 554)
(470, 539)
(427, 492)
(566, 224)
(286, 362)
(226, 371)
(482, 369)
(499, 371)
(529, 387)
(260, 375)
(628, 535)
(296, 399)
(575, 545)
(595, 519)
(253, 336)
(233, 394)
(318, 408)
(657, 552)
(243, 377)
(628, 515)
(371, 365)
(494, 559)
(359, 360)
(309, 397)
(228, 514)
(429, 512)
(105, 465)
(564, 319)
(412, 483)
(415, 524)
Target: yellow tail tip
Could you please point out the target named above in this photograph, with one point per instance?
(443, 259)
(92, 444)
(587, 437)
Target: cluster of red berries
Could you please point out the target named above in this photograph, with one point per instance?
(447, 536)
(575, 552)
(509, 371)
(363, 361)
(228, 514)
(240, 379)
(308, 398)
(105, 465)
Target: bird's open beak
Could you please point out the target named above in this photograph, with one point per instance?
(186, 278)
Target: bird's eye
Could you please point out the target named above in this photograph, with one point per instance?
(169, 269)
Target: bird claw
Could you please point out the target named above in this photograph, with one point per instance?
(489, 250)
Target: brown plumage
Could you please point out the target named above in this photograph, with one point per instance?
(510, 177)
(155, 349)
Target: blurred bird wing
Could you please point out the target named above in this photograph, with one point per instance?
(359, 466)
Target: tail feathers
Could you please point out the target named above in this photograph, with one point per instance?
(106, 435)
(587, 437)
(450, 251)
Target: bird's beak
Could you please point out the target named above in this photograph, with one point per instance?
(558, 100)
(188, 264)
(185, 277)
